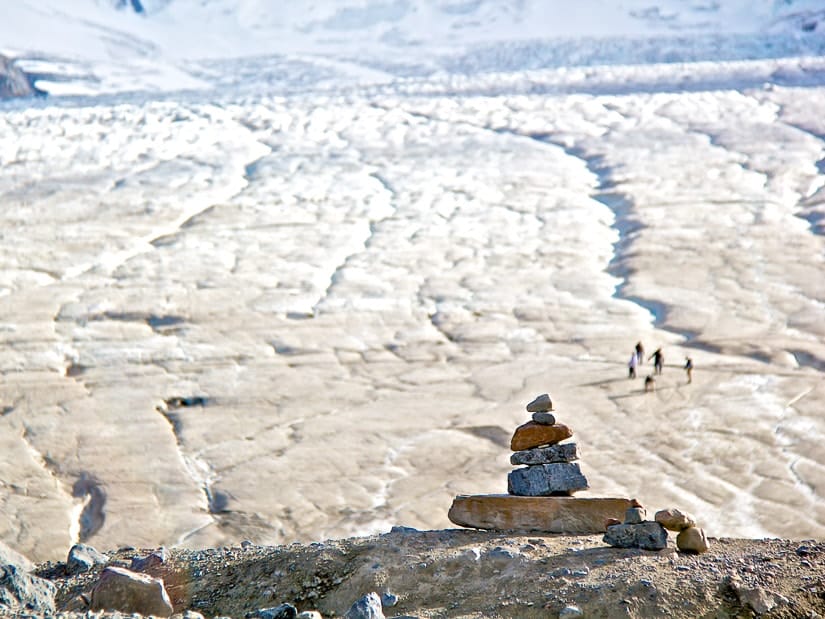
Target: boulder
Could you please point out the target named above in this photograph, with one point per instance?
(647, 535)
(674, 519)
(129, 592)
(546, 479)
(503, 512)
(9, 556)
(544, 418)
(368, 607)
(82, 558)
(532, 434)
(692, 539)
(24, 594)
(540, 404)
(563, 452)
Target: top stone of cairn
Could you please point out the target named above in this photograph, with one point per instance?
(541, 404)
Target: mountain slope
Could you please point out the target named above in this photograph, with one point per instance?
(98, 46)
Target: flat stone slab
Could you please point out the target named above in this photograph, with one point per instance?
(562, 452)
(505, 512)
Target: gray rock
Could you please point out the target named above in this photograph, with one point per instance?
(129, 592)
(368, 607)
(152, 560)
(310, 614)
(282, 611)
(82, 558)
(560, 452)
(546, 480)
(647, 535)
(570, 611)
(760, 600)
(540, 404)
(22, 593)
(544, 418)
(634, 515)
(388, 600)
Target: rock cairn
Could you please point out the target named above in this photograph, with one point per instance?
(690, 538)
(540, 492)
(636, 532)
(550, 470)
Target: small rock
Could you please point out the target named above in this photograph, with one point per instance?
(570, 611)
(540, 404)
(153, 560)
(402, 529)
(634, 515)
(282, 611)
(544, 418)
(368, 607)
(760, 600)
(692, 539)
(187, 614)
(388, 600)
(611, 522)
(82, 558)
(674, 519)
(129, 592)
(310, 614)
(647, 535)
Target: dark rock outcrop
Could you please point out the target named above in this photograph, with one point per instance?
(14, 82)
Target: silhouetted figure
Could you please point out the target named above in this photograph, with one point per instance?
(658, 360)
(689, 369)
(631, 366)
(640, 353)
(650, 383)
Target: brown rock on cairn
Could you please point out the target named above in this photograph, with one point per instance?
(692, 539)
(532, 434)
(674, 520)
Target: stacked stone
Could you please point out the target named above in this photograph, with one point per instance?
(549, 468)
(636, 532)
(690, 538)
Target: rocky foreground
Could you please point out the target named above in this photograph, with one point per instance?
(446, 573)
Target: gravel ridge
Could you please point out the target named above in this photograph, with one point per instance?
(466, 573)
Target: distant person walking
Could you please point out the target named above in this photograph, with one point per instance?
(689, 369)
(658, 360)
(640, 353)
(631, 365)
